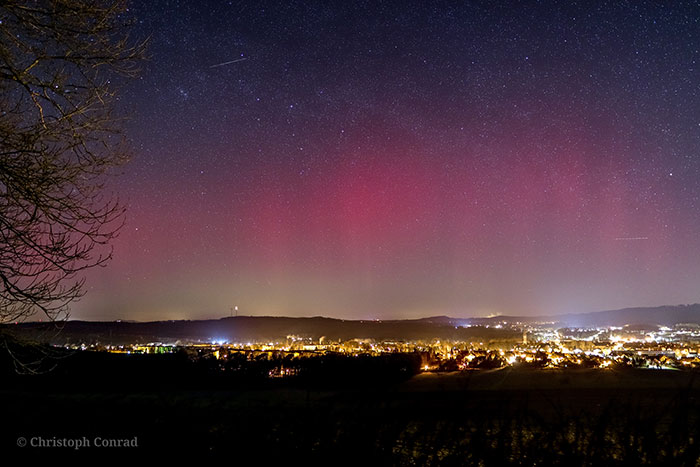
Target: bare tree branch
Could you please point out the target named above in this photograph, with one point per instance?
(59, 141)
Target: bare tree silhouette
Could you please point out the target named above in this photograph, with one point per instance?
(59, 142)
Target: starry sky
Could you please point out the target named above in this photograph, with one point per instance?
(375, 160)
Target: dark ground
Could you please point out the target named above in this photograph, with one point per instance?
(496, 417)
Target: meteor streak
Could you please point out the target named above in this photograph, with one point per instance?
(229, 62)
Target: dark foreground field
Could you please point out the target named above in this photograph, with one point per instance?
(498, 417)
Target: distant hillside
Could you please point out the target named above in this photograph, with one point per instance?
(668, 315)
(269, 328)
(660, 316)
(250, 328)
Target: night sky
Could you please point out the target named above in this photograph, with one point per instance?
(396, 160)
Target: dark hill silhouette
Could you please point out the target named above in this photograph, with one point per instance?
(275, 328)
(659, 316)
(667, 315)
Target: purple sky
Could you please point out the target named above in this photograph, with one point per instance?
(387, 160)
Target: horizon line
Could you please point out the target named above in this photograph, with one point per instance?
(529, 317)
